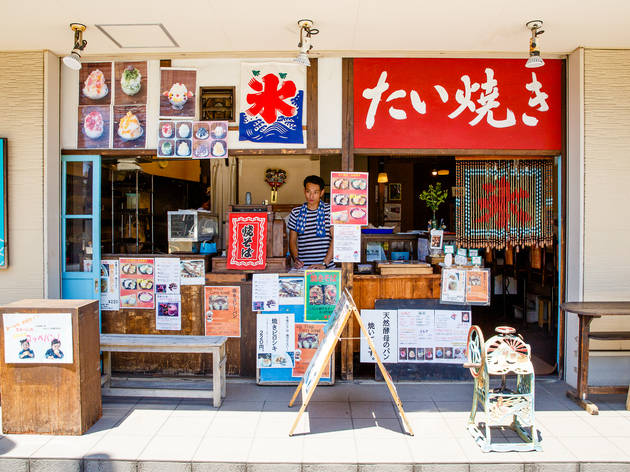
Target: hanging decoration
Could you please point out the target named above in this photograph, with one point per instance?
(272, 102)
(505, 203)
(276, 179)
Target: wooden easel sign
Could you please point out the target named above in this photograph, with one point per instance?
(332, 332)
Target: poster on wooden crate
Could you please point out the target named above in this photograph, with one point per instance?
(308, 336)
(192, 272)
(349, 198)
(247, 241)
(382, 327)
(478, 286)
(347, 243)
(167, 275)
(38, 338)
(453, 288)
(321, 292)
(265, 291)
(110, 285)
(222, 311)
(168, 311)
(291, 290)
(137, 283)
(275, 340)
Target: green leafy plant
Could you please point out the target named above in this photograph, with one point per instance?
(434, 196)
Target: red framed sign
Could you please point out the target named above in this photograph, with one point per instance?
(457, 104)
(247, 241)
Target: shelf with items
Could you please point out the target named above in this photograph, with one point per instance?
(376, 247)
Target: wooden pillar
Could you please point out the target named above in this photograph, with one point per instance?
(311, 105)
(347, 164)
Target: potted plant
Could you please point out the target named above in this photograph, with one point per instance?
(434, 196)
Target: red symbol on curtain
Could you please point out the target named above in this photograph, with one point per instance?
(247, 241)
(269, 101)
(501, 202)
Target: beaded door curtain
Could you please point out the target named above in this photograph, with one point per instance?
(504, 203)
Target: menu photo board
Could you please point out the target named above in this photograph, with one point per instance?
(222, 311)
(349, 198)
(321, 290)
(110, 285)
(137, 283)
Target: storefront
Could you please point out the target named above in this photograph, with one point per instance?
(130, 159)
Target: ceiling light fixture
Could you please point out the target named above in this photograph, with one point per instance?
(306, 31)
(73, 60)
(534, 59)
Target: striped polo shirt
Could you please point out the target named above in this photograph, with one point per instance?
(312, 249)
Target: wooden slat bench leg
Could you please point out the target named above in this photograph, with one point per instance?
(216, 378)
(107, 369)
(223, 372)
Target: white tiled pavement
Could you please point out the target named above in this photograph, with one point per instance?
(349, 427)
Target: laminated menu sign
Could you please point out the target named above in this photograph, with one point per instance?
(136, 283)
(168, 311)
(275, 340)
(38, 338)
(453, 286)
(349, 198)
(247, 241)
(415, 335)
(322, 288)
(478, 286)
(167, 274)
(110, 291)
(291, 290)
(265, 290)
(437, 336)
(347, 243)
(222, 311)
(192, 272)
(382, 327)
(308, 336)
(450, 335)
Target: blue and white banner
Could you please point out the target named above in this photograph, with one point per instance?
(272, 102)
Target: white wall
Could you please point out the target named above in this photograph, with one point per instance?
(575, 205)
(329, 81)
(606, 193)
(216, 72)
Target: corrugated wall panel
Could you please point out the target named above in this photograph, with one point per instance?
(607, 181)
(21, 121)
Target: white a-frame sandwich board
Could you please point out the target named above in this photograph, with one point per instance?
(332, 332)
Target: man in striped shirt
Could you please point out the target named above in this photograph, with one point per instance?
(311, 236)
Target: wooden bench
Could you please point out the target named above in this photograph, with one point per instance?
(214, 345)
(612, 336)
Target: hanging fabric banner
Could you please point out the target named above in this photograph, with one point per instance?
(504, 202)
(272, 102)
(247, 241)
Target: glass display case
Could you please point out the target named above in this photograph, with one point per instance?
(387, 247)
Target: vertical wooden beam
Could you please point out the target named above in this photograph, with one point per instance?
(347, 164)
(311, 105)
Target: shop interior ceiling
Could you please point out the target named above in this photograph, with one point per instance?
(350, 27)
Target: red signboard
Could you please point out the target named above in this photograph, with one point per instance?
(247, 241)
(457, 104)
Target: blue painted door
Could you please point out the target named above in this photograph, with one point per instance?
(81, 226)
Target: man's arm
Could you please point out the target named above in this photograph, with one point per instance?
(293, 249)
(330, 253)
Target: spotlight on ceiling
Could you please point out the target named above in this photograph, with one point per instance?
(73, 60)
(534, 59)
(304, 46)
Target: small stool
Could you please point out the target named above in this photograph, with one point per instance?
(542, 303)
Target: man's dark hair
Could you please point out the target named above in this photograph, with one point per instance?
(315, 179)
(55, 341)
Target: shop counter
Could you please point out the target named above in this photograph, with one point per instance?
(369, 288)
